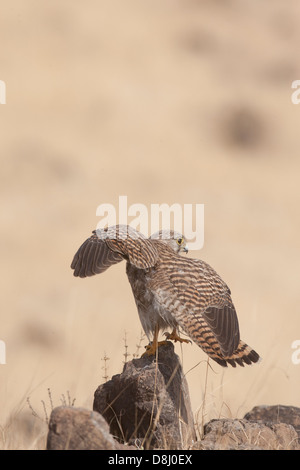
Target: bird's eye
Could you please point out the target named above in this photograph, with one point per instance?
(179, 241)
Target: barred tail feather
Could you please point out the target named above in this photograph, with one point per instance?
(201, 334)
(244, 354)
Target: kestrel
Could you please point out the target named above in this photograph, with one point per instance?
(171, 291)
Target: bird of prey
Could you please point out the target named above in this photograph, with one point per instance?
(171, 291)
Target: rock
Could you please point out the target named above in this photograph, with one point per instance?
(79, 429)
(148, 403)
(148, 406)
(241, 434)
(276, 414)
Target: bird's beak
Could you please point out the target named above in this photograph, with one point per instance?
(186, 249)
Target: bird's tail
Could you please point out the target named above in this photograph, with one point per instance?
(243, 354)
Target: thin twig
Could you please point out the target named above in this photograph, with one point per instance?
(126, 354)
(139, 345)
(50, 399)
(105, 368)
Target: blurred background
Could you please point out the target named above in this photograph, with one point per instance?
(164, 102)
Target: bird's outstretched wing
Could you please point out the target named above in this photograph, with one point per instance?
(111, 245)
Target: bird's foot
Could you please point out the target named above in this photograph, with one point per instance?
(174, 337)
(152, 347)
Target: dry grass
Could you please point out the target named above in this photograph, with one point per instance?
(27, 427)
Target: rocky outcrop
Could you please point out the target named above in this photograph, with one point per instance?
(79, 429)
(276, 414)
(149, 402)
(241, 434)
(148, 406)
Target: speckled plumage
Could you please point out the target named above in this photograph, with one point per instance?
(170, 291)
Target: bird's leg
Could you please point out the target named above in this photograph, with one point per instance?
(151, 348)
(174, 337)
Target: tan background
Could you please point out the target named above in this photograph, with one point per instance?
(163, 101)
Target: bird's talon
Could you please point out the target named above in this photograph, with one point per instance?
(174, 337)
(151, 348)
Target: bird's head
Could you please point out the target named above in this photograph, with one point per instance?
(174, 240)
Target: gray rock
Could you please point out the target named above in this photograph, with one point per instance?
(148, 406)
(241, 434)
(148, 403)
(276, 414)
(79, 429)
